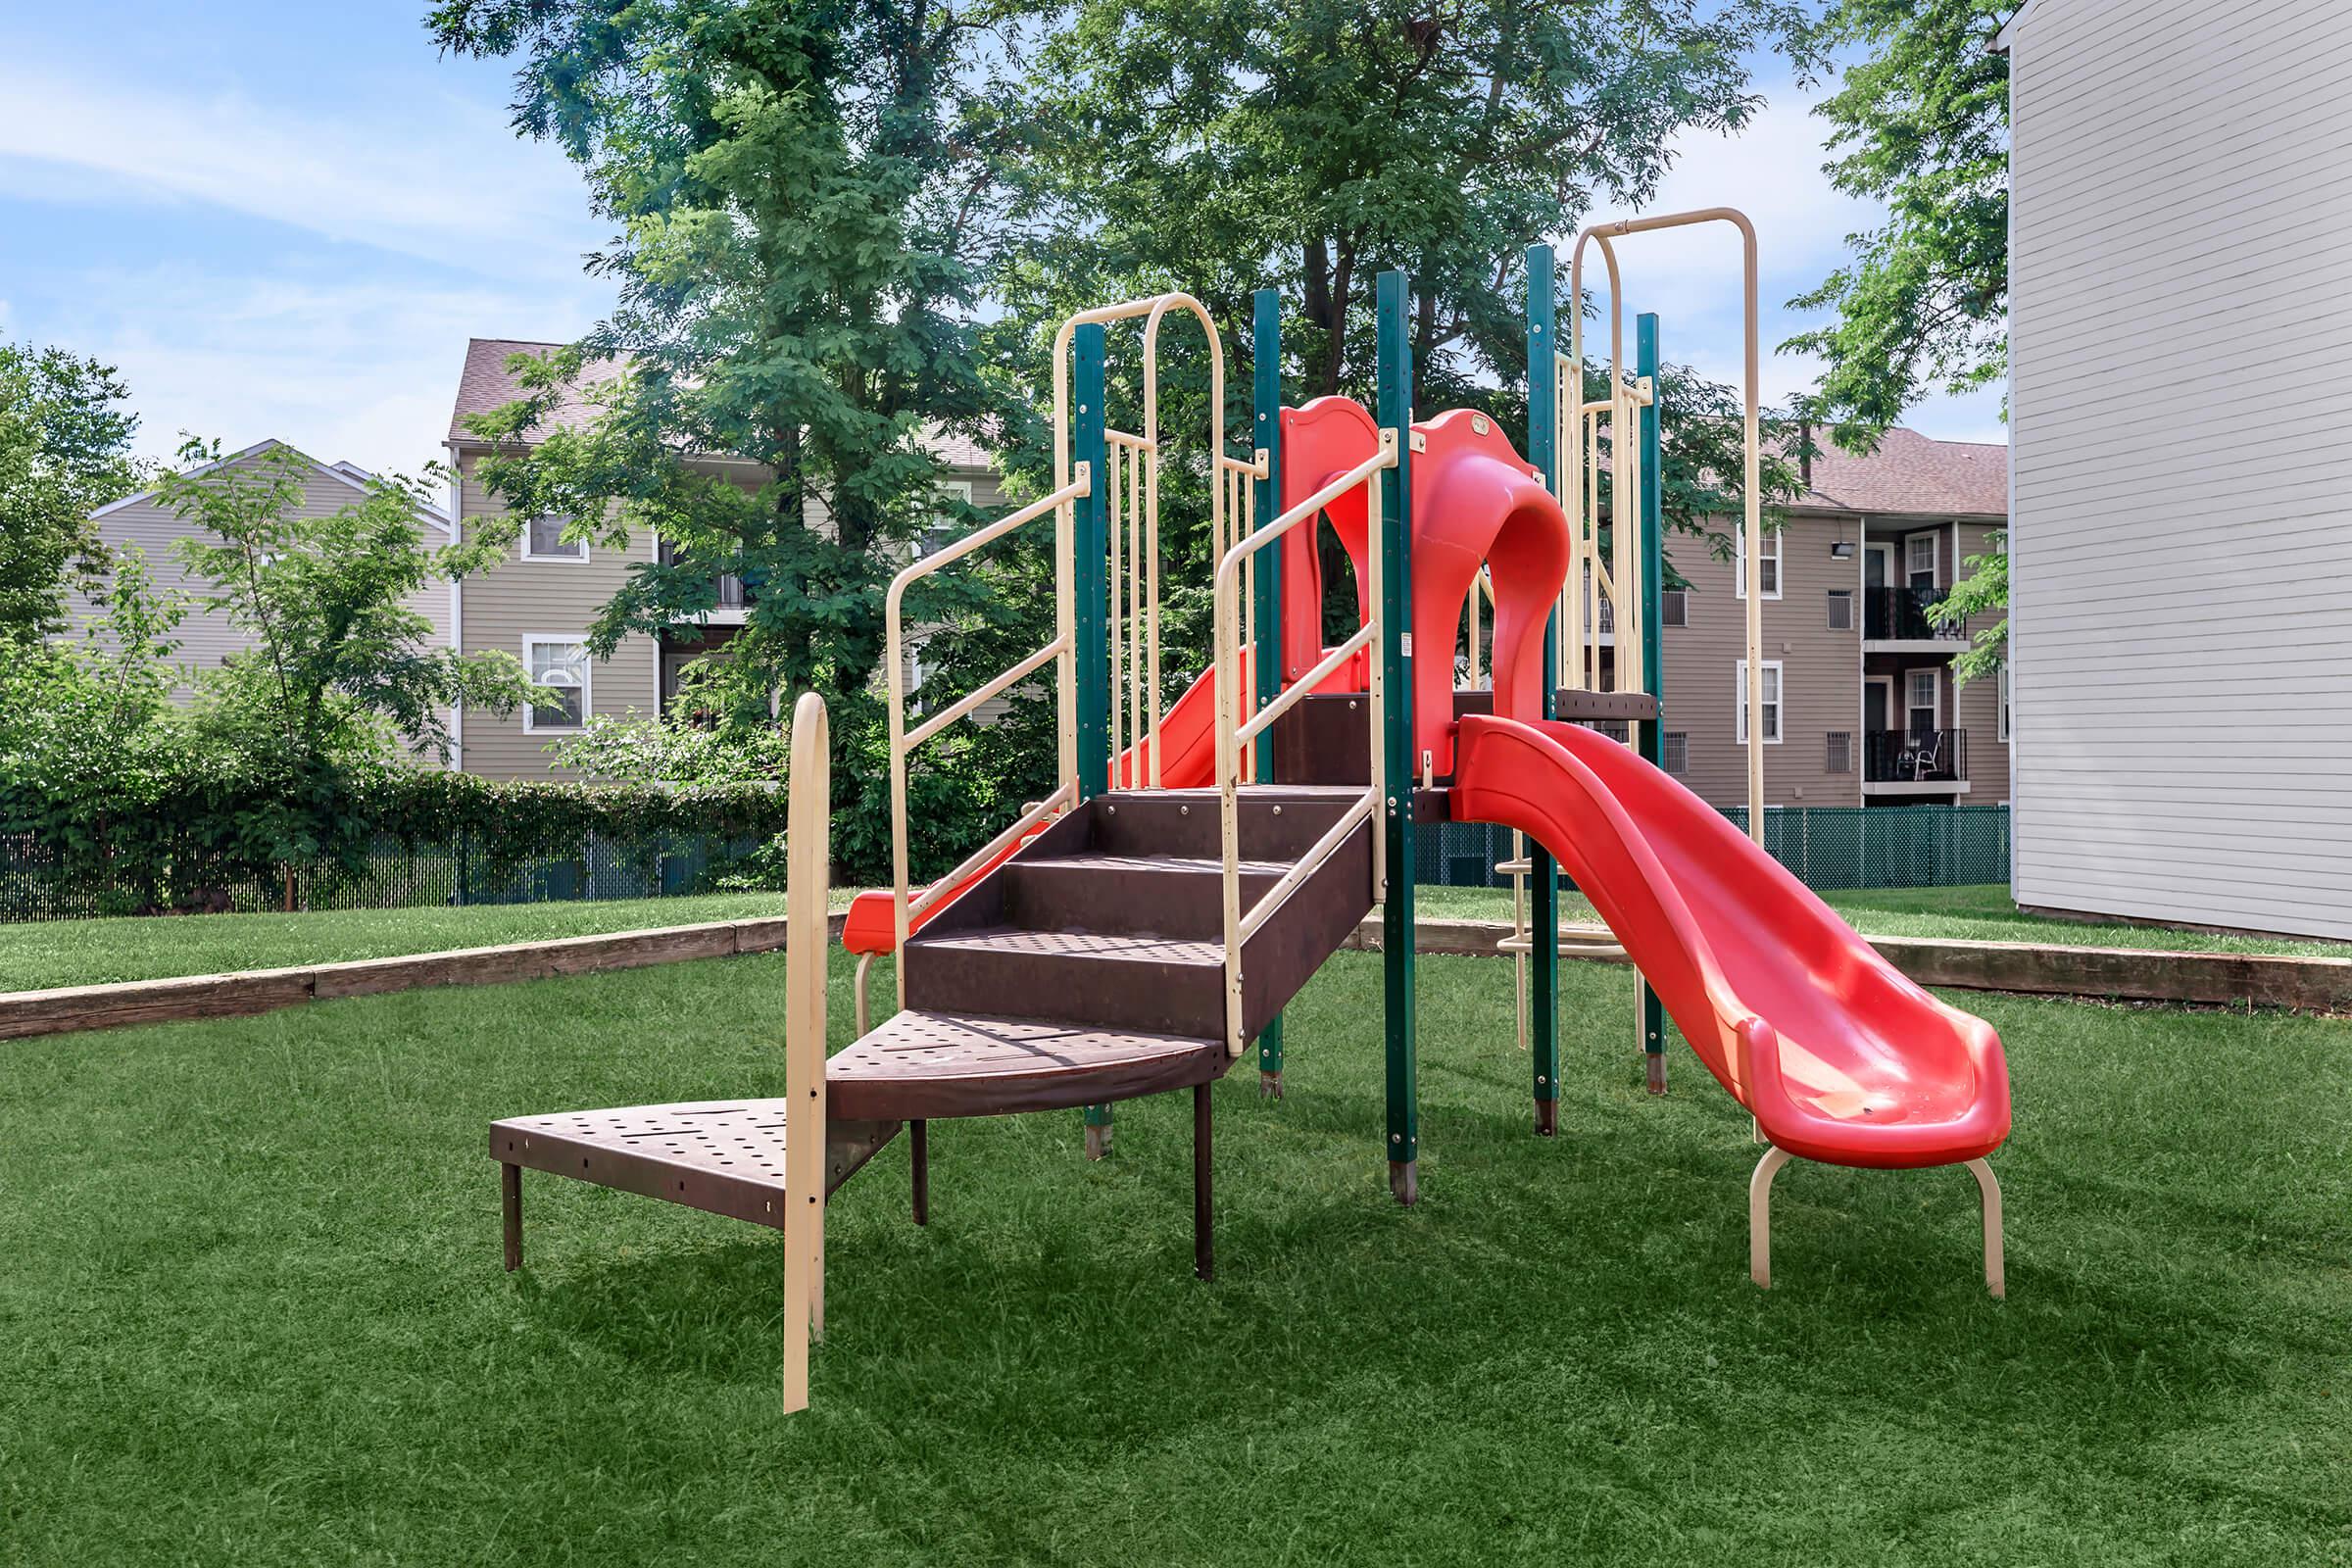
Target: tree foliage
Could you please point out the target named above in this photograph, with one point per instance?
(1922, 126)
(342, 668)
(64, 451)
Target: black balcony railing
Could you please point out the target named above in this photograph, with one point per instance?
(732, 594)
(1923, 757)
(1890, 614)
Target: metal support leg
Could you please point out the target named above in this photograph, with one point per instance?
(1098, 1131)
(1404, 1181)
(918, 1146)
(1759, 1216)
(1988, 1192)
(510, 1190)
(1204, 1250)
(866, 961)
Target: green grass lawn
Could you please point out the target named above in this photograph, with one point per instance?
(83, 953)
(1980, 912)
(252, 1310)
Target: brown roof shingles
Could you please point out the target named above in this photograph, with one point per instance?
(1915, 474)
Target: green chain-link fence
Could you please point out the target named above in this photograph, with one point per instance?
(1825, 846)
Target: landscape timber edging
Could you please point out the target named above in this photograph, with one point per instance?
(2138, 974)
(2056, 969)
(25, 1014)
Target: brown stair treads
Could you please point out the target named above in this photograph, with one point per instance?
(935, 1065)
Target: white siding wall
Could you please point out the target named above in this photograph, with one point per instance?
(2181, 407)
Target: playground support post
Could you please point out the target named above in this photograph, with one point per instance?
(1265, 347)
(1544, 924)
(1091, 562)
(1402, 768)
(1653, 734)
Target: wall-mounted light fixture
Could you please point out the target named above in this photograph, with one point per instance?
(1842, 550)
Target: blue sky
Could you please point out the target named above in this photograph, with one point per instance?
(286, 222)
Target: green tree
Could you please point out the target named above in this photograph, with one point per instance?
(1922, 126)
(1239, 144)
(64, 451)
(342, 672)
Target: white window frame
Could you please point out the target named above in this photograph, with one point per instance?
(1935, 557)
(1772, 553)
(531, 723)
(2002, 725)
(528, 553)
(1852, 604)
(1935, 705)
(1775, 685)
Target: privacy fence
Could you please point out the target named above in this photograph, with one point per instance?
(1825, 846)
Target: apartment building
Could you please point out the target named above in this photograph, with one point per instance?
(208, 638)
(1860, 708)
(539, 603)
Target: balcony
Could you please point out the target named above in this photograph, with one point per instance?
(1901, 616)
(733, 597)
(1915, 763)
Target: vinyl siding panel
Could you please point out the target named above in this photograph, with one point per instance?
(519, 599)
(208, 639)
(1819, 670)
(2181, 395)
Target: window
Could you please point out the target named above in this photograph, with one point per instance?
(2004, 723)
(1837, 756)
(558, 666)
(1921, 692)
(1768, 564)
(1674, 607)
(1919, 561)
(1841, 609)
(957, 490)
(1675, 752)
(543, 540)
(1772, 700)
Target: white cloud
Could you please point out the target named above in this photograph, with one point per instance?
(364, 369)
(428, 174)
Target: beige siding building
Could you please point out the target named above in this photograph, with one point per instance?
(1860, 705)
(539, 603)
(208, 639)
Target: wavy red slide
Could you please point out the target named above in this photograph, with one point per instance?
(1838, 1056)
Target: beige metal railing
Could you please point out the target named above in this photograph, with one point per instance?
(1058, 650)
(1235, 733)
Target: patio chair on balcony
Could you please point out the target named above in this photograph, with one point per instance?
(1926, 761)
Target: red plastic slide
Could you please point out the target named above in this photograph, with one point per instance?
(1838, 1056)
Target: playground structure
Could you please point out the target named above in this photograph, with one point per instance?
(1142, 925)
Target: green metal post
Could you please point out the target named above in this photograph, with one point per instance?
(1091, 558)
(1401, 763)
(1654, 654)
(1265, 426)
(1543, 450)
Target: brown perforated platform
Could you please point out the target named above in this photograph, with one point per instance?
(926, 1064)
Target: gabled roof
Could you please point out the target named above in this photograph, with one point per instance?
(344, 473)
(1911, 472)
(2003, 39)
(486, 383)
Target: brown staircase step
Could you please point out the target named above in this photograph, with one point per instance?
(925, 1064)
(1104, 979)
(1163, 895)
(1273, 821)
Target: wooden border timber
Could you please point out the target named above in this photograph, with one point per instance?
(2138, 974)
(25, 1014)
(2133, 974)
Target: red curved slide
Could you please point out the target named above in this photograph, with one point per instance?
(1838, 1056)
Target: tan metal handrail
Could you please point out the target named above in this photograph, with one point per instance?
(904, 909)
(1233, 734)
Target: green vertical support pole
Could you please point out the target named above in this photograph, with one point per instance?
(1400, 761)
(1654, 647)
(1543, 873)
(1091, 563)
(1265, 430)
